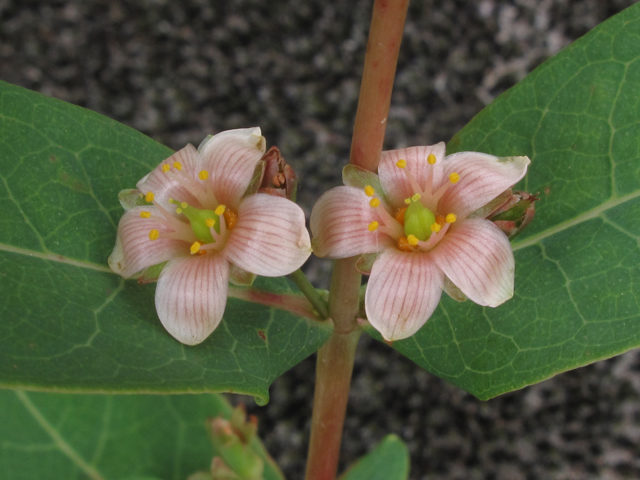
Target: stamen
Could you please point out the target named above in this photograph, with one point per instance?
(145, 214)
(373, 226)
(431, 159)
(375, 202)
(149, 197)
(203, 175)
(404, 245)
(195, 247)
(454, 177)
(154, 234)
(177, 165)
(210, 222)
(220, 209)
(166, 168)
(412, 240)
(402, 163)
(451, 218)
(369, 191)
(435, 227)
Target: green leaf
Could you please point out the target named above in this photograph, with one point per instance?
(103, 437)
(577, 296)
(388, 461)
(68, 323)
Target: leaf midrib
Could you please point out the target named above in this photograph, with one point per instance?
(583, 217)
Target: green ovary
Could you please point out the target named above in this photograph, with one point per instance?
(198, 219)
(418, 220)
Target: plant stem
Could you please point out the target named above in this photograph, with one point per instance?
(385, 34)
(309, 291)
(336, 357)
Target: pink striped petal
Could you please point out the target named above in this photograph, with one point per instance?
(339, 224)
(394, 180)
(191, 296)
(230, 158)
(270, 237)
(165, 186)
(134, 251)
(482, 178)
(477, 258)
(403, 291)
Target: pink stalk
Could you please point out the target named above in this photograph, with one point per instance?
(380, 63)
(336, 357)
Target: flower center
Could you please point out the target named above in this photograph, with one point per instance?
(202, 221)
(416, 227)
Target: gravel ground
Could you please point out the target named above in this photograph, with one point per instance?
(180, 70)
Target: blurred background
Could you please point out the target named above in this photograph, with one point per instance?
(180, 70)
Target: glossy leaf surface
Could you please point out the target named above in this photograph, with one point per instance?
(68, 323)
(103, 437)
(388, 461)
(577, 297)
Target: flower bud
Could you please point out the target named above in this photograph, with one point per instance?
(274, 176)
(231, 439)
(515, 213)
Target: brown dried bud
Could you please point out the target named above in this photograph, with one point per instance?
(278, 178)
(515, 213)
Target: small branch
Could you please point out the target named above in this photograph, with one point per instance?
(309, 291)
(296, 304)
(385, 34)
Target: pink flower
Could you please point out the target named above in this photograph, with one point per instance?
(423, 216)
(200, 217)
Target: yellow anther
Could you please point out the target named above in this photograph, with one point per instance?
(431, 159)
(369, 191)
(154, 234)
(195, 247)
(220, 209)
(416, 197)
(373, 226)
(184, 205)
(203, 175)
(178, 210)
(166, 168)
(375, 202)
(210, 222)
(145, 214)
(454, 177)
(401, 163)
(450, 218)
(177, 165)
(412, 239)
(435, 227)
(149, 197)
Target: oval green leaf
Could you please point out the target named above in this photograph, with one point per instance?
(577, 296)
(68, 323)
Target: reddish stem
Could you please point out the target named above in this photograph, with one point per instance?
(336, 357)
(380, 62)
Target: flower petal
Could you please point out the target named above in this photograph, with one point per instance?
(165, 185)
(134, 251)
(477, 258)
(270, 237)
(230, 158)
(403, 291)
(482, 178)
(394, 180)
(339, 224)
(191, 296)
